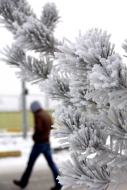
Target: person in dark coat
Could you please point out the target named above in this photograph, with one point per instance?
(41, 145)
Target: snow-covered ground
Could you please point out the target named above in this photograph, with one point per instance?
(15, 141)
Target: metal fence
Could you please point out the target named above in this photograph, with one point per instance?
(14, 102)
(12, 120)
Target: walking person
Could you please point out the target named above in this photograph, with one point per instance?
(41, 134)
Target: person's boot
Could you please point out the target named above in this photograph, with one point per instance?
(16, 182)
(57, 187)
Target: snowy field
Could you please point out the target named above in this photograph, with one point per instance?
(15, 141)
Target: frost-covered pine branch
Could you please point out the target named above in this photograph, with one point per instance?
(115, 123)
(50, 16)
(14, 13)
(30, 34)
(13, 55)
(97, 75)
(57, 87)
(68, 120)
(78, 59)
(82, 173)
(36, 36)
(87, 50)
(31, 68)
(35, 70)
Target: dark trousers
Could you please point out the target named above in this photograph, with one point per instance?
(36, 151)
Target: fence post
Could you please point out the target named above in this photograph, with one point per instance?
(24, 111)
(46, 102)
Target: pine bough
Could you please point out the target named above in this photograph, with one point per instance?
(88, 79)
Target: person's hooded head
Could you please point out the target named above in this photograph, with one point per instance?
(35, 106)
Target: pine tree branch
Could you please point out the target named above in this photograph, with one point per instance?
(35, 36)
(50, 16)
(83, 173)
(57, 87)
(15, 13)
(31, 68)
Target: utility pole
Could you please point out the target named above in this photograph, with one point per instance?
(24, 111)
(46, 102)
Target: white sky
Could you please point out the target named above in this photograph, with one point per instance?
(110, 15)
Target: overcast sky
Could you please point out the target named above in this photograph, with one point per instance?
(110, 15)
